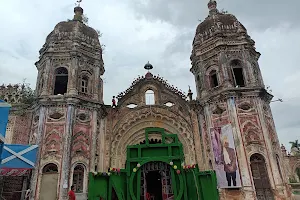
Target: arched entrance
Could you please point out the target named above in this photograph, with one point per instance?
(49, 182)
(261, 178)
(156, 182)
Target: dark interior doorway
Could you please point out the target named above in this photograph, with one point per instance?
(154, 187)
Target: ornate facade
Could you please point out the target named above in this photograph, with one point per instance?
(77, 133)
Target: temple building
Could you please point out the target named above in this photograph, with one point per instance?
(227, 128)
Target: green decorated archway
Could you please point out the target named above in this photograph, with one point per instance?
(186, 181)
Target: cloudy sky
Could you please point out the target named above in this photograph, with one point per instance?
(135, 31)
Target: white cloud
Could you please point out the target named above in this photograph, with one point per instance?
(161, 33)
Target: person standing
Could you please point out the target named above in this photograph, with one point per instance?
(230, 166)
(72, 193)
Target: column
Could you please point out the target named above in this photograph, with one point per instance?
(94, 141)
(72, 85)
(39, 139)
(66, 160)
(241, 154)
(96, 86)
(45, 77)
(270, 160)
(101, 138)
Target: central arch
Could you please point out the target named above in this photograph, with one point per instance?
(131, 132)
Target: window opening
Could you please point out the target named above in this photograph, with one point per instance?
(150, 98)
(237, 73)
(213, 79)
(239, 78)
(78, 176)
(50, 168)
(84, 84)
(61, 81)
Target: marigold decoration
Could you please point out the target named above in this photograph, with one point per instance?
(188, 167)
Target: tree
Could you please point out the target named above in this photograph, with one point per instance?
(295, 144)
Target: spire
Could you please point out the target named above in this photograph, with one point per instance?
(212, 6)
(78, 12)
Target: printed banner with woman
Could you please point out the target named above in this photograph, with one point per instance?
(226, 164)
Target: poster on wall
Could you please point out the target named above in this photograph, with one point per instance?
(225, 159)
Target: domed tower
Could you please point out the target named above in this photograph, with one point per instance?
(231, 91)
(71, 61)
(69, 109)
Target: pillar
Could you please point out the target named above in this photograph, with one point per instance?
(240, 150)
(39, 139)
(94, 141)
(72, 85)
(101, 139)
(66, 159)
(45, 77)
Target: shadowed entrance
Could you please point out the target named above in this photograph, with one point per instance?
(156, 182)
(154, 188)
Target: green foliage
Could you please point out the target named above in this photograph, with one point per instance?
(85, 19)
(295, 144)
(28, 94)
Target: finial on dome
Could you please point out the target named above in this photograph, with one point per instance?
(148, 66)
(190, 94)
(78, 3)
(212, 6)
(78, 12)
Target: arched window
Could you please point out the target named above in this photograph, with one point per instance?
(50, 169)
(149, 97)
(213, 78)
(78, 178)
(84, 84)
(237, 73)
(61, 81)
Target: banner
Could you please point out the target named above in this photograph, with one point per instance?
(16, 156)
(225, 159)
(4, 112)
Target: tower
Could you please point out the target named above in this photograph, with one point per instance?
(68, 110)
(231, 91)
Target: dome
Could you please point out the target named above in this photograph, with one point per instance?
(218, 22)
(74, 27)
(73, 32)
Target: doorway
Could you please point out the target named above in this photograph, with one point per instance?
(156, 182)
(261, 178)
(154, 187)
